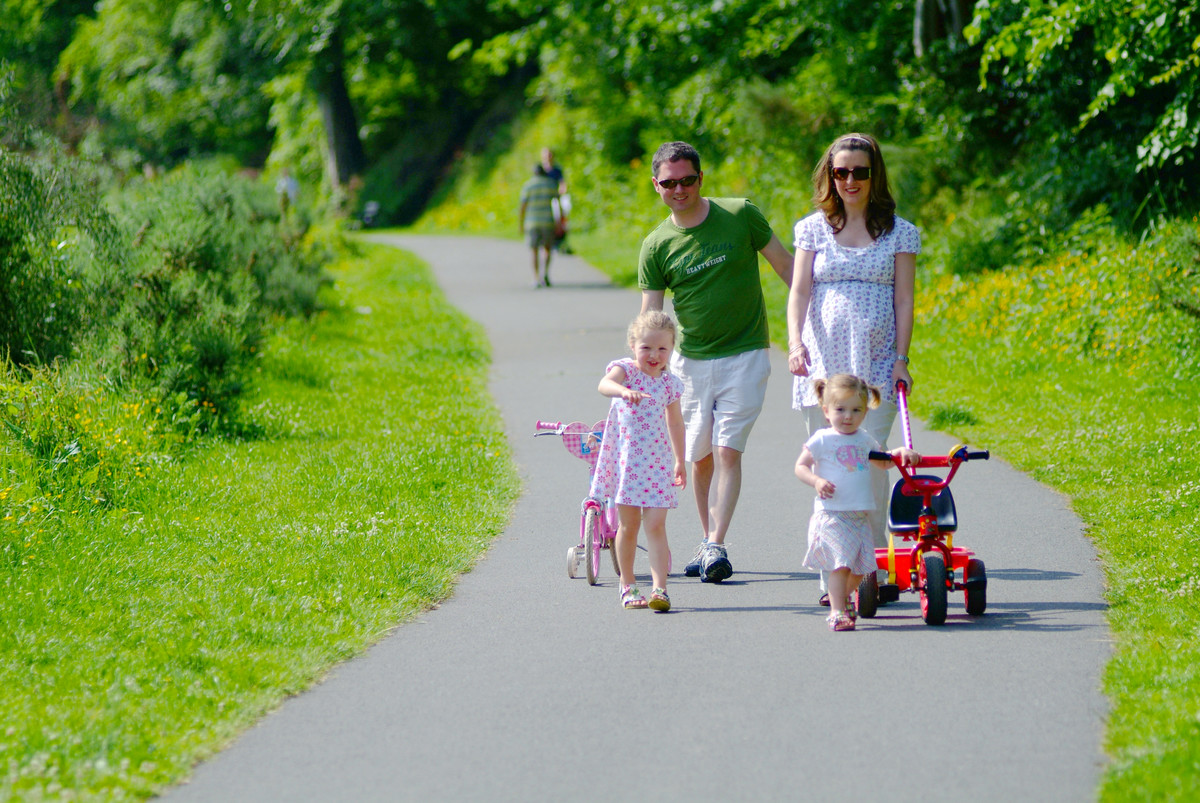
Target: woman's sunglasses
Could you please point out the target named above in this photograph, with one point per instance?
(669, 183)
(859, 173)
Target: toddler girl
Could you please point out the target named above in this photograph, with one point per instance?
(834, 461)
(641, 454)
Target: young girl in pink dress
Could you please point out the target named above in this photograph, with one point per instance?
(641, 454)
(835, 462)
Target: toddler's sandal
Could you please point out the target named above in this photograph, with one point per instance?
(631, 598)
(839, 622)
(659, 601)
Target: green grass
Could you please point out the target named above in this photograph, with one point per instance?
(136, 641)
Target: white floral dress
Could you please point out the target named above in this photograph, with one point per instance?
(850, 327)
(636, 465)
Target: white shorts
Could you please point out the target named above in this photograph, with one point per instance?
(721, 399)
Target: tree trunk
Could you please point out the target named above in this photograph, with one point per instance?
(345, 157)
(939, 19)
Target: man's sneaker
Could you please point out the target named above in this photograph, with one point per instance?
(714, 564)
(693, 567)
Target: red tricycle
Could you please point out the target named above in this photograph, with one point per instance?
(922, 512)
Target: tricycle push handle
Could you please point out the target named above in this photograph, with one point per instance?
(902, 406)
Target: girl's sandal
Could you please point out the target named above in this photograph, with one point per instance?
(839, 622)
(659, 601)
(631, 597)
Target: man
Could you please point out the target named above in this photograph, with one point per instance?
(561, 204)
(537, 220)
(706, 253)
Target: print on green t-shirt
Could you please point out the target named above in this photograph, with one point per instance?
(712, 272)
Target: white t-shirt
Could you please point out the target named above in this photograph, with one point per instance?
(842, 459)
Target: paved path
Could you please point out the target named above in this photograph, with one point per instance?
(529, 686)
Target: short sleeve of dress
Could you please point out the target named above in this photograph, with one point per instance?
(807, 232)
(626, 364)
(674, 388)
(908, 237)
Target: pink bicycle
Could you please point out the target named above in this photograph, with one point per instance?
(597, 517)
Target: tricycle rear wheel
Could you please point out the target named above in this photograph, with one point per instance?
(868, 596)
(975, 587)
(933, 588)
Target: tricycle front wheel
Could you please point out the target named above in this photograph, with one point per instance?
(933, 588)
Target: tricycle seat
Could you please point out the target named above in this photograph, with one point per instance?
(905, 511)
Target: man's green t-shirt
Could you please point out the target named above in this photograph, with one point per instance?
(712, 270)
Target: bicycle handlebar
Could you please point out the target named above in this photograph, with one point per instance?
(546, 426)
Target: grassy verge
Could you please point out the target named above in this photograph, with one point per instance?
(239, 575)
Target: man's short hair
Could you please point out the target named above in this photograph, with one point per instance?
(673, 152)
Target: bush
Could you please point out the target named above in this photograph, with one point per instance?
(45, 212)
(1115, 305)
(186, 307)
(1178, 281)
(169, 291)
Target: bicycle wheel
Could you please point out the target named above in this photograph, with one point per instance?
(611, 545)
(592, 543)
(933, 588)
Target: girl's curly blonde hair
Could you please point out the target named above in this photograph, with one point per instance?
(653, 320)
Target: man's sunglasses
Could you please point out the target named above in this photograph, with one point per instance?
(859, 173)
(669, 183)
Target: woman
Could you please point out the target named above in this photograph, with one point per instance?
(850, 307)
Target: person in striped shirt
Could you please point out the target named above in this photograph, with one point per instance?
(537, 221)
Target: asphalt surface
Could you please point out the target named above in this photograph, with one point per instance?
(529, 686)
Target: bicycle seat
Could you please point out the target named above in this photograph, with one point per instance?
(904, 511)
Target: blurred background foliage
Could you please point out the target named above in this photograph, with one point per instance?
(145, 145)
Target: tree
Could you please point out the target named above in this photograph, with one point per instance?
(171, 80)
(32, 34)
(1146, 53)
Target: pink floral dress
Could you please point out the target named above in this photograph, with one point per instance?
(636, 465)
(850, 327)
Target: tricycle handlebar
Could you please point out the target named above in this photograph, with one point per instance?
(546, 426)
(960, 454)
